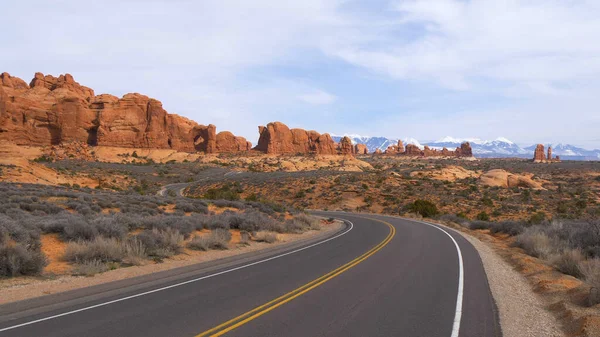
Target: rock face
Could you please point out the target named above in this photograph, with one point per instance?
(502, 178)
(346, 147)
(53, 110)
(413, 151)
(360, 149)
(277, 138)
(538, 155)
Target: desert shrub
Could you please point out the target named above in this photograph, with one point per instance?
(219, 221)
(110, 227)
(135, 252)
(537, 218)
(196, 207)
(310, 221)
(590, 270)
(217, 239)
(294, 226)
(568, 261)
(265, 237)
(90, 268)
(509, 227)
(536, 243)
(100, 249)
(77, 228)
(161, 243)
(224, 192)
(425, 208)
(182, 224)
(456, 219)
(483, 216)
(17, 260)
(244, 238)
(251, 221)
(228, 203)
(479, 224)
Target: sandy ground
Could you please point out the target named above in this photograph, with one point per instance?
(12, 290)
(522, 312)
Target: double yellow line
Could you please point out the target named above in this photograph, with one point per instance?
(240, 320)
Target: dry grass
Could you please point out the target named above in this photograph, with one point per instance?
(217, 239)
(267, 237)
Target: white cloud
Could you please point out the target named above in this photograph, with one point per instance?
(318, 97)
(239, 64)
(458, 41)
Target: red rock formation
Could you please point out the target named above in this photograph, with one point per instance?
(360, 149)
(277, 138)
(52, 110)
(549, 152)
(413, 150)
(400, 147)
(346, 146)
(378, 151)
(228, 143)
(538, 155)
(464, 150)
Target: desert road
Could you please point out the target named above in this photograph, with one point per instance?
(379, 276)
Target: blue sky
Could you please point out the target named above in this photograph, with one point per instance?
(525, 70)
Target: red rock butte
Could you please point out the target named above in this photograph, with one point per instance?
(277, 138)
(539, 155)
(52, 110)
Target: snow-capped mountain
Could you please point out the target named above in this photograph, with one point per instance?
(497, 148)
(374, 143)
(500, 147)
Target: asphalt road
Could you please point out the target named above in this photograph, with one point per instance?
(370, 280)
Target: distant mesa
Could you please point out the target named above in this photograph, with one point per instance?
(539, 155)
(54, 110)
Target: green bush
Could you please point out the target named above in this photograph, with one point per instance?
(483, 216)
(426, 208)
(537, 218)
(225, 192)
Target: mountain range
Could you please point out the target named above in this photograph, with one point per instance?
(498, 148)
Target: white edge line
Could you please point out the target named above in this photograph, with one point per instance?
(175, 285)
(461, 280)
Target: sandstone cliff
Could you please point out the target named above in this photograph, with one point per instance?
(52, 110)
(277, 138)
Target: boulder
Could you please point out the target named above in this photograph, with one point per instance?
(502, 178)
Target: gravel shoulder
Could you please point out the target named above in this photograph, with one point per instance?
(22, 288)
(522, 312)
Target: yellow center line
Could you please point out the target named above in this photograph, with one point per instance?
(240, 320)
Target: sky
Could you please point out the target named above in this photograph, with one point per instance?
(525, 70)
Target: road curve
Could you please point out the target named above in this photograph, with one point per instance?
(384, 277)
